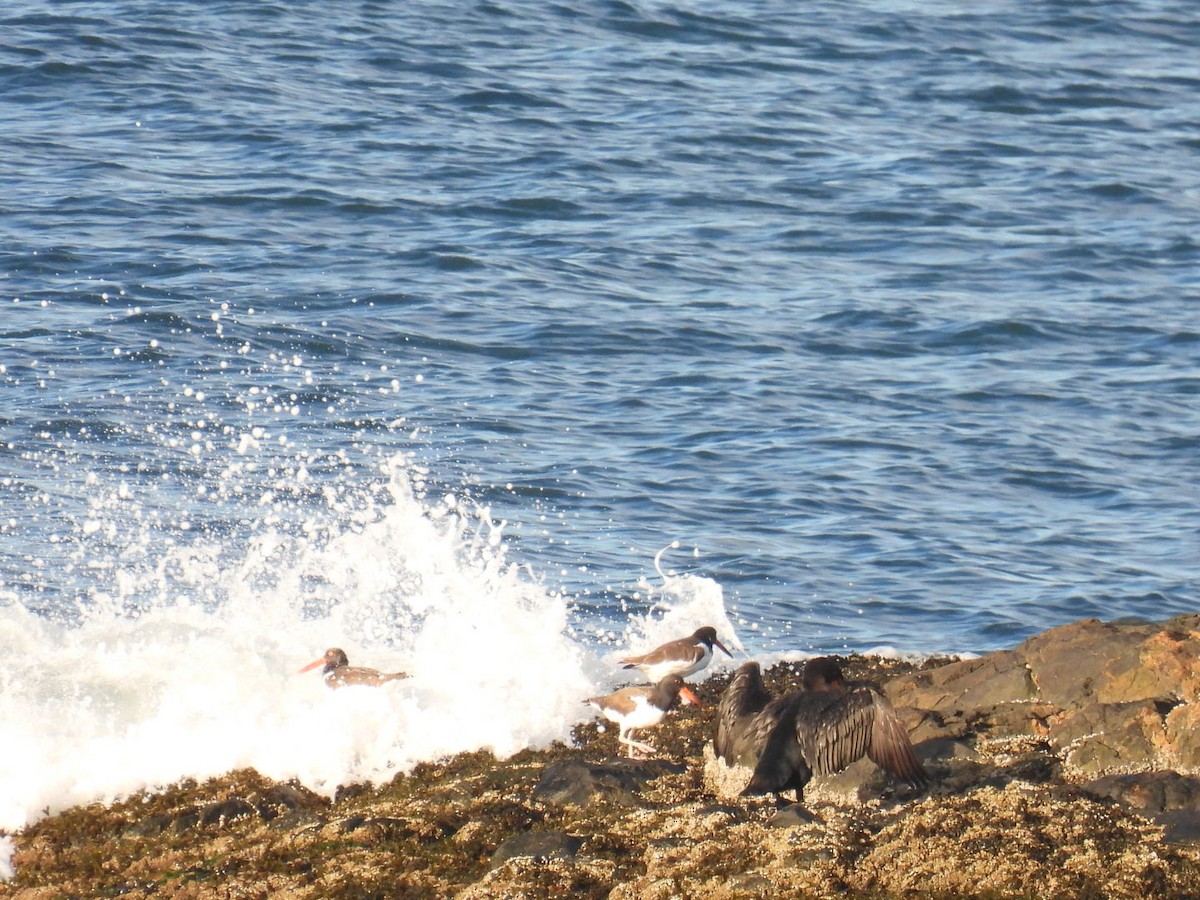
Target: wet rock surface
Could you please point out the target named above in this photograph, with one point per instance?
(1063, 767)
(577, 781)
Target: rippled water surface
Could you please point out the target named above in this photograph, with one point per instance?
(888, 312)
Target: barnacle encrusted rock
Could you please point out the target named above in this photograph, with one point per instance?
(1064, 767)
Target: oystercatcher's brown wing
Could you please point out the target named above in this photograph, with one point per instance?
(623, 701)
(684, 648)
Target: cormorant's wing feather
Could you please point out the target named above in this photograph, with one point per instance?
(890, 747)
(781, 765)
(735, 740)
(836, 734)
(752, 737)
(862, 723)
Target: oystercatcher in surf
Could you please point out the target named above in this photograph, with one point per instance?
(339, 673)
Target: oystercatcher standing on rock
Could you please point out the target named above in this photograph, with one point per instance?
(642, 707)
(681, 657)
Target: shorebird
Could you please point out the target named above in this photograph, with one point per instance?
(642, 707)
(681, 657)
(822, 729)
(339, 673)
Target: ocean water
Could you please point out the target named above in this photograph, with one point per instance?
(490, 340)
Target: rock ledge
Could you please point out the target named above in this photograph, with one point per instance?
(1064, 767)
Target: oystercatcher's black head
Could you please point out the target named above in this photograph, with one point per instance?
(708, 636)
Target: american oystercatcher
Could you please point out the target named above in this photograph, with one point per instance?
(642, 707)
(681, 657)
(339, 673)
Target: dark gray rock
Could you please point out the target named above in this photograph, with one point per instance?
(288, 797)
(619, 781)
(151, 826)
(1149, 791)
(1100, 736)
(1181, 827)
(1107, 695)
(351, 823)
(1078, 664)
(945, 749)
(1183, 735)
(1169, 798)
(537, 845)
(965, 685)
(792, 815)
(225, 811)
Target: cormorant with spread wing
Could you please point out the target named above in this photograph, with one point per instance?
(818, 730)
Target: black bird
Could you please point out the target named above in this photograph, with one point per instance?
(748, 712)
(824, 728)
(741, 731)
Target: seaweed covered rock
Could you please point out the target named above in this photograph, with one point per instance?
(618, 781)
(1022, 804)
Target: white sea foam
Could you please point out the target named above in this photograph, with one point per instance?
(6, 852)
(158, 682)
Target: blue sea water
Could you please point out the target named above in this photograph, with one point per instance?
(887, 312)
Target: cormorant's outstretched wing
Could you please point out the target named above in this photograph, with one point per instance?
(821, 733)
(861, 723)
(890, 747)
(743, 700)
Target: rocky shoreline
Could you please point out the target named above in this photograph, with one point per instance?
(1064, 767)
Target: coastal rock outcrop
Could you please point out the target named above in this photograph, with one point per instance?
(1108, 697)
(1063, 767)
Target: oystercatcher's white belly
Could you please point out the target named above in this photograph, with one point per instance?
(643, 715)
